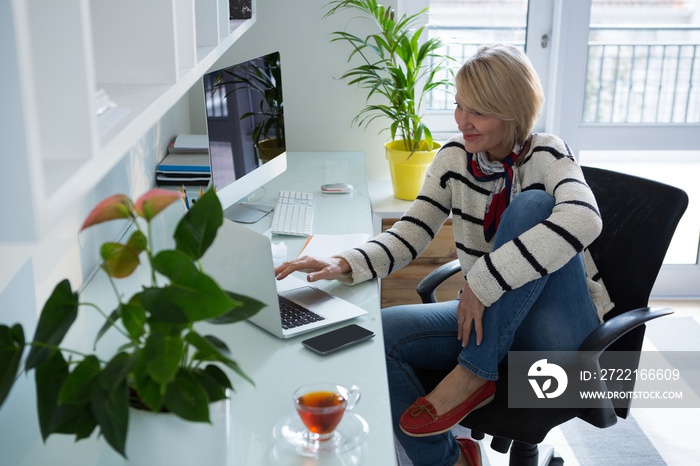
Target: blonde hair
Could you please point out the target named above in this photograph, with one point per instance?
(499, 81)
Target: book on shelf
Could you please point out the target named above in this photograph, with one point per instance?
(189, 144)
(187, 161)
(178, 179)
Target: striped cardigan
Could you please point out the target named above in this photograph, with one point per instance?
(449, 188)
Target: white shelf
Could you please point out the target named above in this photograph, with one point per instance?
(145, 55)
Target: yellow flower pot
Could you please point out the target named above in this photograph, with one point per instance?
(408, 173)
(268, 149)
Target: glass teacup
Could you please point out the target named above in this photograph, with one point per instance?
(321, 407)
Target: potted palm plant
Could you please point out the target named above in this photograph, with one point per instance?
(397, 69)
(164, 363)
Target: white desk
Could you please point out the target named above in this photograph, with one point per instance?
(384, 204)
(277, 366)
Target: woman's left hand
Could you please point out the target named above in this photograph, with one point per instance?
(470, 312)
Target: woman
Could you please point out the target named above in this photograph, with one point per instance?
(522, 217)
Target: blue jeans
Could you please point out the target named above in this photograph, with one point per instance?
(554, 313)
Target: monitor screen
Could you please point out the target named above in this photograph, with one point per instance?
(245, 128)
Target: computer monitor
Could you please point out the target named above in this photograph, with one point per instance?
(245, 128)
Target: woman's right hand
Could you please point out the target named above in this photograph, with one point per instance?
(326, 268)
(470, 312)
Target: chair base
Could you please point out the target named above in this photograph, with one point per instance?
(523, 454)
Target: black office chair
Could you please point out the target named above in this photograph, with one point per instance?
(639, 219)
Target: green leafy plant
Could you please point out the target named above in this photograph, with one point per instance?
(397, 66)
(263, 76)
(164, 364)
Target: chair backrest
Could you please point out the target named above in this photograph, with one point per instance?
(639, 219)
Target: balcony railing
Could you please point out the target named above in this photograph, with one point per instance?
(640, 77)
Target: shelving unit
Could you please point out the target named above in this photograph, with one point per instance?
(145, 55)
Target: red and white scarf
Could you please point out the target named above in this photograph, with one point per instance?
(505, 187)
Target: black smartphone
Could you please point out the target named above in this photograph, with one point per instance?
(338, 339)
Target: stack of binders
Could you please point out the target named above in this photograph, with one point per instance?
(187, 162)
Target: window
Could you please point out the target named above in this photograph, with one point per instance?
(622, 81)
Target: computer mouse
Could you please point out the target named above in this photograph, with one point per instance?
(337, 188)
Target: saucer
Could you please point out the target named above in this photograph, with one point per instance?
(349, 434)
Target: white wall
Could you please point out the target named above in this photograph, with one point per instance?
(63, 252)
(319, 108)
(319, 111)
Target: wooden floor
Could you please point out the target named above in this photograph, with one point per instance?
(400, 287)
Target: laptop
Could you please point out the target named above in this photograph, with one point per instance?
(240, 260)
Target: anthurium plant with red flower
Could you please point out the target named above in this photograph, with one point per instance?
(164, 363)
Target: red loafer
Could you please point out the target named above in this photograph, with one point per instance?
(421, 419)
(470, 450)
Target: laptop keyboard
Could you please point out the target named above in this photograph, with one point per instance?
(294, 315)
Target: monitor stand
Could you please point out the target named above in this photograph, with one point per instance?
(247, 213)
(244, 212)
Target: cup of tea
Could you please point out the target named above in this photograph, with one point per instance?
(321, 407)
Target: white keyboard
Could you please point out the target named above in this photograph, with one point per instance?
(294, 214)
